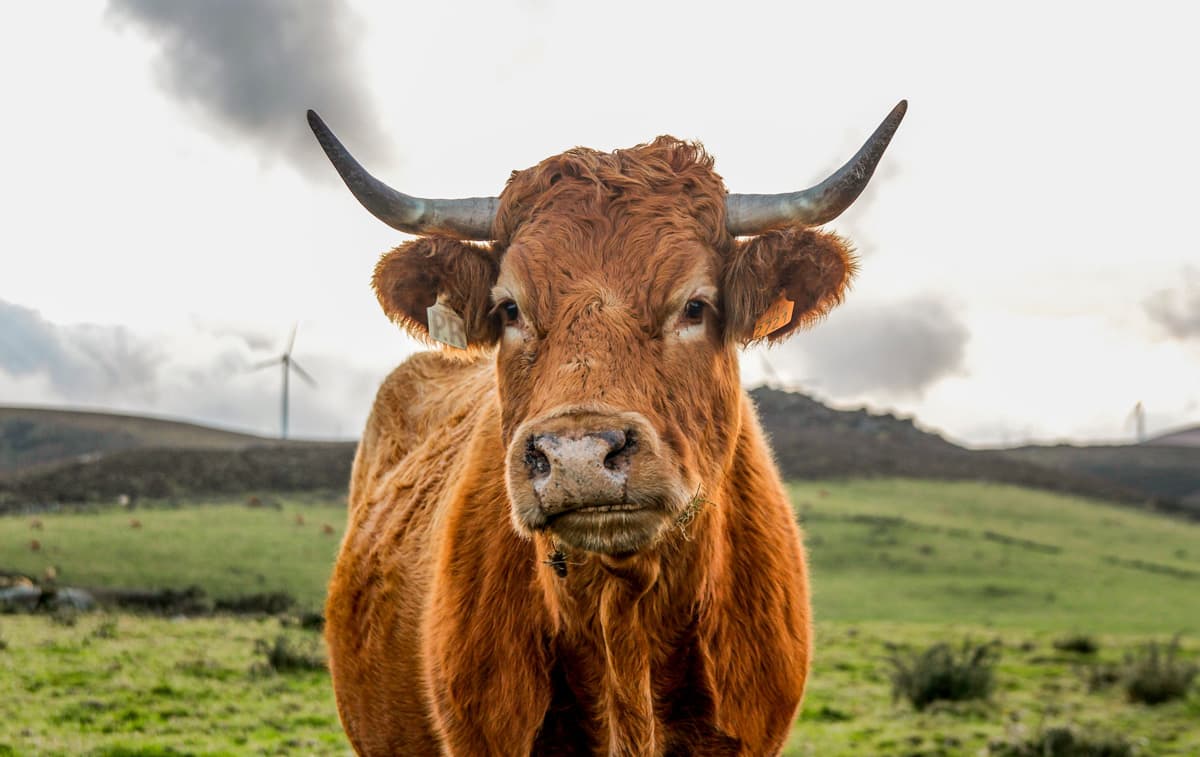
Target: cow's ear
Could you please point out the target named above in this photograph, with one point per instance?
(435, 270)
(784, 280)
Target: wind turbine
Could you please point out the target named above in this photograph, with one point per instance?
(1138, 419)
(289, 364)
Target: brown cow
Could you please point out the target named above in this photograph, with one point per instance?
(568, 536)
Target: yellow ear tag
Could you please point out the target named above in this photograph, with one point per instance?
(777, 316)
(446, 326)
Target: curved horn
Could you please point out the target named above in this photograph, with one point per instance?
(753, 214)
(467, 218)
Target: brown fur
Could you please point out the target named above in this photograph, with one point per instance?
(448, 630)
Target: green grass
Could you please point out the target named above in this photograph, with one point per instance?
(992, 555)
(906, 563)
(198, 686)
(152, 684)
(229, 550)
(848, 709)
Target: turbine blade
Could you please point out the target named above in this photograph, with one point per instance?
(265, 364)
(303, 373)
(291, 339)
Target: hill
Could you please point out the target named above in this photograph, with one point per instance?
(175, 474)
(1187, 437)
(50, 456)
(40, 437)
(63, 456)
(1168, 475)
(812, 440)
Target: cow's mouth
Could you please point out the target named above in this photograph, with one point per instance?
(623, 507)
(608, 529)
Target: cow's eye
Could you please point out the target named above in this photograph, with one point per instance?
(693, 311)
(510, 310)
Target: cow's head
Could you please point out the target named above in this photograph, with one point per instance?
(615, 289)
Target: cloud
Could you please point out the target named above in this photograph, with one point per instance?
(896, 350)
(1177, 310)
(257, 339)
(254, 66)
(201, 373)
(74, 360)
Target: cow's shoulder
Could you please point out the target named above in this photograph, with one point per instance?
(426, 394)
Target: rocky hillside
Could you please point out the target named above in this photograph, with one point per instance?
(1185, 437)
(67, 458)
(812, 440)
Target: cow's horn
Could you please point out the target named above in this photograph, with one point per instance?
(753, 214)
(467, 218)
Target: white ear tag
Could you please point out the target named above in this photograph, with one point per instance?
(446, 326)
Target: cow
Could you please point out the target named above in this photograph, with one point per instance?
(566, 531)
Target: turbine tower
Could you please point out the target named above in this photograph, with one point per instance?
(288, 364)
(1138, 419)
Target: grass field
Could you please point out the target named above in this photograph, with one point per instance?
(994, 555)
(142, 686)
(229, 550)
(893, 562)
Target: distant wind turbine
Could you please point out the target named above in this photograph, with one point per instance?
(289, 364)
(1138, 418)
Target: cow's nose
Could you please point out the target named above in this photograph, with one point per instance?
(579, 468)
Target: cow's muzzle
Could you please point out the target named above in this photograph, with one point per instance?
(599, 481)
(577, 469)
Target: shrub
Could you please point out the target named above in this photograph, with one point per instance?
(939, 673)
(312, 621)
(1062, 741)
(288, 655)
(1157, 675)
(107, 629)
(1078, 643)
(1100, 677)
(268, 603)
(192, 600)
(64, 615)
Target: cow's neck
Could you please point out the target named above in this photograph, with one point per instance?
(624, 623)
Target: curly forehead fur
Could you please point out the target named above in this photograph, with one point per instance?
(668, 182)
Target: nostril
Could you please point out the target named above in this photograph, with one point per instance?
(621, 444)
(615, 440)
(535, 459)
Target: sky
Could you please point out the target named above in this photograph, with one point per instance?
(1029, 267)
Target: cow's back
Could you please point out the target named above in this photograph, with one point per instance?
(410, 455)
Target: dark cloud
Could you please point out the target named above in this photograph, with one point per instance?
(896, 350)
(1177, 310)
(255, 66)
